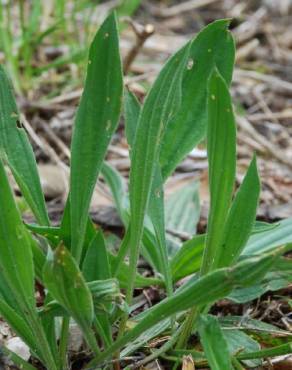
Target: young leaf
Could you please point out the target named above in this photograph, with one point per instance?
(241, 218)
(18, 152)
(96, 121)
(160, 105)
(65, 282)
(188, 258)
(214, 344)
(214, 46)
(96, 265)
(221, 144)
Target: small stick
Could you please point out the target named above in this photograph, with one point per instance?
(142, 34)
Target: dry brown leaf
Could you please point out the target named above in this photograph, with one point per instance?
(188, 363)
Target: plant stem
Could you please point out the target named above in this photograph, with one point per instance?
(44, 347)
(64, 342)
(237, 365)
(187, 327)
(90, 338)
(123, 250)
(104, 336)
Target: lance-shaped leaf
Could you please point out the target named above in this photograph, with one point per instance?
(19, 325)
(16, 263)
(132, 112)
(17, 270)
(154, 248)
(199, 292)
(66, 284)
(270, 239)
(214, 344)
(18, 152)
(156, 213)
(221, 145)
(160, 105)
(96, 121)
(241, 218)
(188, 258)
(96, 267)
(214, 46)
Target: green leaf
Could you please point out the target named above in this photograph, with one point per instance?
(18, 324)
(221, 144)
(182, 211)
(270, 239)
(117, 186)
(102, 291)
(198, 292)
(17, 150)
(16, 263)
(17, 270)
(188, 258)
(252, 326)
(280, 277)
(283, 349)
(156, 214)
(146, 336)
(241, 218)
(96, 264)
(160, 105)
(96, 267)
(66, 284)
(214, 46)
(260, 226)
(154, 244)
(239, 342)
(214, 343)
(132, 112)
(96, 120)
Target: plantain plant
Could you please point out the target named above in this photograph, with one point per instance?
(84, 280)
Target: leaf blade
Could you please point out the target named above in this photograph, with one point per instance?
(221, 146)
(188, 127)
(241, 217)
(96, 120)
(214, 343)
(18, 151)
